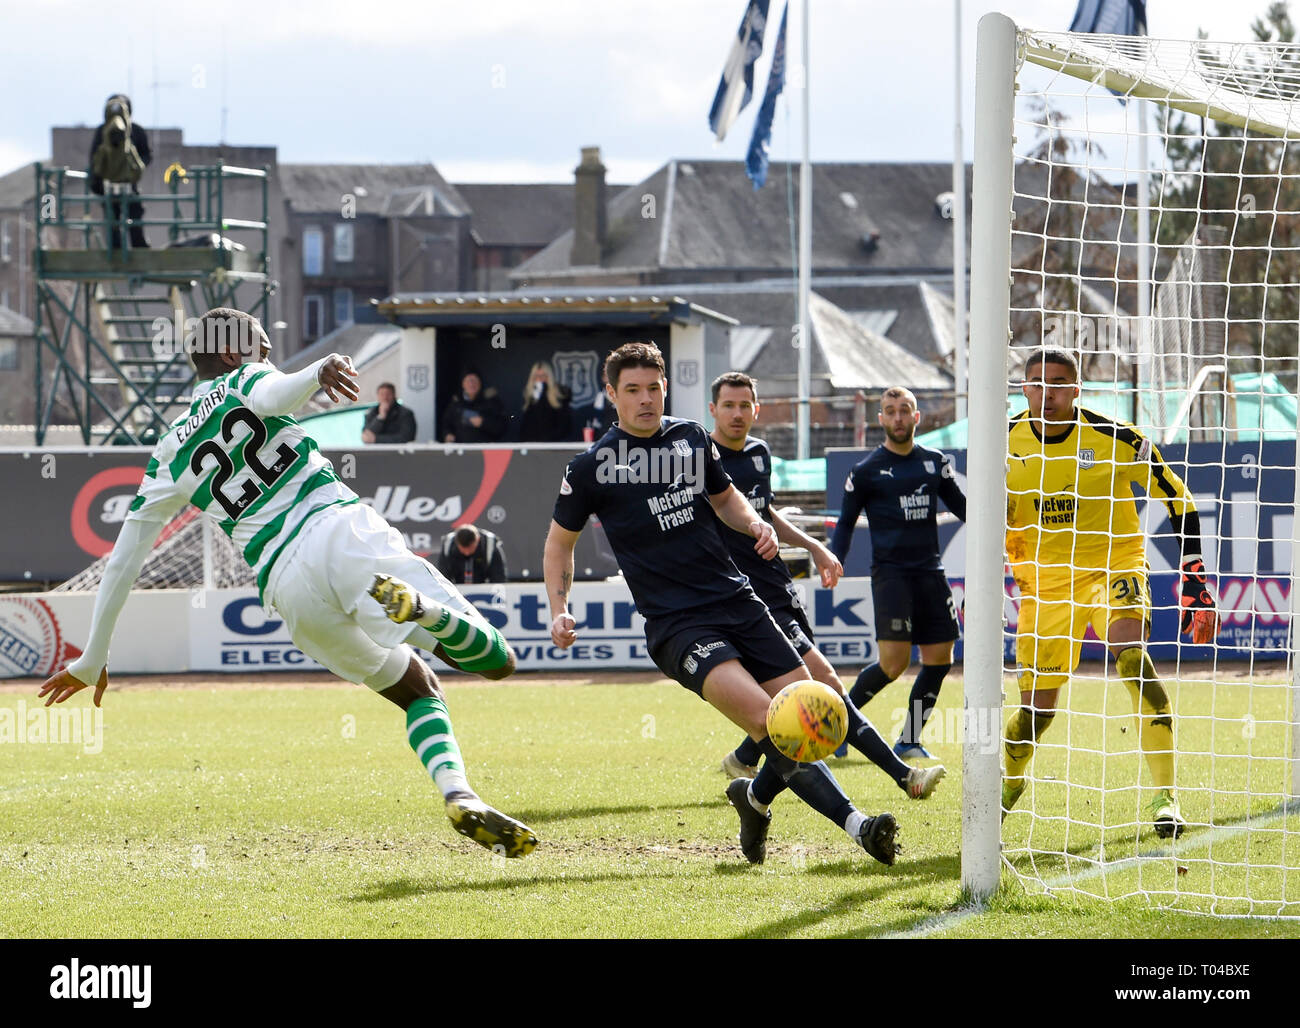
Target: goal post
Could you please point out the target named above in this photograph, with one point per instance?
(1196, 349)
(990, 298)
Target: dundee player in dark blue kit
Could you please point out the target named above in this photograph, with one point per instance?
(748, 462)
(656, 484)
(898, 485)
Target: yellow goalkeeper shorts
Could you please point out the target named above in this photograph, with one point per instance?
(1058, 605)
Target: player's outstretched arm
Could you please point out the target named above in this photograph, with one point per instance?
(850, 507)
(129, 552)
(557, 569)
(826, 563)
(272, 392)
(731, 506)
(949, 491)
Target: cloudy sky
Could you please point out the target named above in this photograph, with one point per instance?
(507, 90)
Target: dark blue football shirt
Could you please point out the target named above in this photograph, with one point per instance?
(750, 470)
(899, 495)
(652, 498)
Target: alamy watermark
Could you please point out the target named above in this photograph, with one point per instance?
(53, 726)
(954, 726)
(680, 466)
(1086, 333)
(179, 334)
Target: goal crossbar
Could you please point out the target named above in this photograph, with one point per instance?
(1204, 81)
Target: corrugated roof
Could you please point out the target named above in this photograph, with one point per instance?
(313, 188)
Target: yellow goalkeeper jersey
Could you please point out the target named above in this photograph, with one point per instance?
(1070, 499)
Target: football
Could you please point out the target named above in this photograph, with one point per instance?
(807, 721)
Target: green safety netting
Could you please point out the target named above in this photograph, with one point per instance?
(1265, 409)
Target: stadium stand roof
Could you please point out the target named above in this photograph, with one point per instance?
(544, 306)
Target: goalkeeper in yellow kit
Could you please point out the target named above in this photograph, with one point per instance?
(1077, 552)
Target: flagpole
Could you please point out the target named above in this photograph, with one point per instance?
(803, 427)
(958, 233)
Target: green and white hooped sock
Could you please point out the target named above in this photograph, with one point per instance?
(473, 644)
(428, 730)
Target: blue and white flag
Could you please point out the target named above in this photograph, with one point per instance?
(737, 85)
(1113, 17)
(756, 159)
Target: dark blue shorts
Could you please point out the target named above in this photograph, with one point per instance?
(914, 606)
(793, 621)
(690, 644)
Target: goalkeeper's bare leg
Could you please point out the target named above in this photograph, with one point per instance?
(429, 732)
(1126, 638)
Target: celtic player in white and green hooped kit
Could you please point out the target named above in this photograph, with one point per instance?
(352, 596)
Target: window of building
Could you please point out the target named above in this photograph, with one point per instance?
(313, 251)
(342, 307)
(6, 243)
(343, 241)
(313, 313)
(8, 354)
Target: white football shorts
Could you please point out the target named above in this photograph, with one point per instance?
(320, 586)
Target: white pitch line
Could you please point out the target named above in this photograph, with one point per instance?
(1202, 840)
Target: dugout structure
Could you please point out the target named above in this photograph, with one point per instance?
(1157, 239)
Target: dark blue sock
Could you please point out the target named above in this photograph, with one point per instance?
(864, 738)
(770, 781)
(816, 786)
(748, 752)
(920, 705)
(812, 783)
(869, 682)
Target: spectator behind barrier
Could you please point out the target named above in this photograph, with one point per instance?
(546, 415)
(475, 414)
(470, 556)
(389, 422)
(594, 419)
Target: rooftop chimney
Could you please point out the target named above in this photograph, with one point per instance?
(588, 209)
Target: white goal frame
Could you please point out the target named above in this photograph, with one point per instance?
(1001, 50)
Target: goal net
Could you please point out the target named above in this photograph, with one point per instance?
(190, 553)
(1153, 188)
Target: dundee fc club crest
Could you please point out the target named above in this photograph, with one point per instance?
(578, 371)
(417, 378)
(688, 373)
(1087, 457)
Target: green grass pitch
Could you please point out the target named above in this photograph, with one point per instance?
(295, 809)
